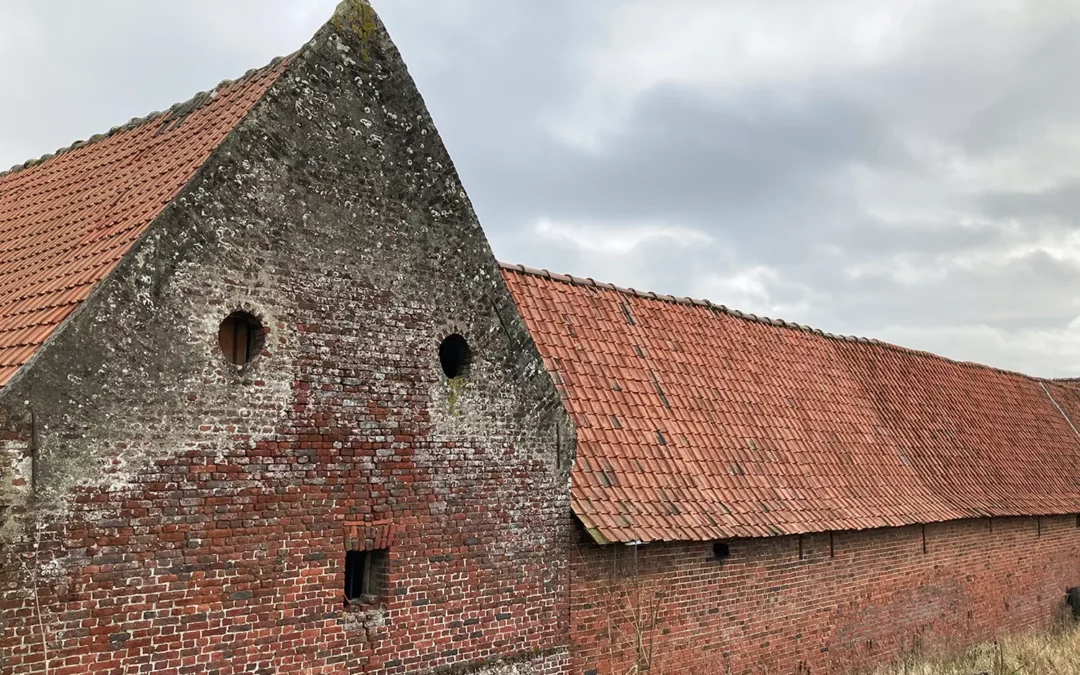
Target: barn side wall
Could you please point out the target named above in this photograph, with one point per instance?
(192, 516)
(830, 604)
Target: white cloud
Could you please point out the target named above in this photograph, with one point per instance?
(757, 289)
(723, 49)
(77, 68)
(1035, 351)
(908, 270)
(1011, 244)
(605, 239)
(20, 34)
(745, 290)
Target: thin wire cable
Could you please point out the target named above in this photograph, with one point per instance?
(1060, 410)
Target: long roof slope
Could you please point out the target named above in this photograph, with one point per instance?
(696, 422)
(67, 219)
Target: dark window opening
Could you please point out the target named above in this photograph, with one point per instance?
(720, 551)
(455, 356)
(365, 575)
(240, 337)
(582, 533)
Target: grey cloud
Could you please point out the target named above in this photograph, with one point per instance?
(996, 294)
(1061, 202)
(766, 179)
(865, 233)
(1035, 96)
(755, 181)
(758, 176)
(90, 66)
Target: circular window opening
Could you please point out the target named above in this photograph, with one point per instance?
(240, 337)
(455, 356)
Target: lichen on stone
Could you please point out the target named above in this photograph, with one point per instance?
(359, 18)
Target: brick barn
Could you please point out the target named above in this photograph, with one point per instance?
(270, 405)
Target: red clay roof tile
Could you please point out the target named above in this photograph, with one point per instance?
(732, 425)
(67, 219)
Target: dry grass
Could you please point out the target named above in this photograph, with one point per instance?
(1055, 652)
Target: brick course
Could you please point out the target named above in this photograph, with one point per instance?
(850, 600)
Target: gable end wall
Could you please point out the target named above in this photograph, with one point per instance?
(191, 517)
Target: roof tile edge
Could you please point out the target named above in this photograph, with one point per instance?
(193, 103)
(779, 323)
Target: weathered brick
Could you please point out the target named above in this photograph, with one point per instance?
(191, 513)
(870, 596)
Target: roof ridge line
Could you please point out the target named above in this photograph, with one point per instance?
(779, 323)
(182, 107)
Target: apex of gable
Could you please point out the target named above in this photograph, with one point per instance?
(355, 15)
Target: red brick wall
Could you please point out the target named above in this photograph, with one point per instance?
(768, 609)
(230, 565)
(190, 516)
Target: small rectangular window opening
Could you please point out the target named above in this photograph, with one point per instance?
(720, 551)
(365, 576)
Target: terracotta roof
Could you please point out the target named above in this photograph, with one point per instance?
(696, 422)
(67, 219)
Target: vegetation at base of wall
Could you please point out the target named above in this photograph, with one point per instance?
(1051, 652)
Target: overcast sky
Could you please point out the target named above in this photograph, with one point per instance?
(902, 170)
